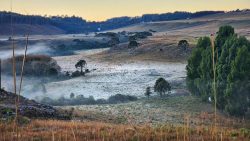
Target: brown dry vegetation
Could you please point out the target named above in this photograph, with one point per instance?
(52, 130)
(20, 29)
(156, 48)
(197, 27)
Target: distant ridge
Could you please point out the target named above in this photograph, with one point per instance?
(69, 25)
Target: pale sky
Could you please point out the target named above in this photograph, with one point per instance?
(98, 10)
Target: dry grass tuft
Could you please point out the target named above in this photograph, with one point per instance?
(47, 130)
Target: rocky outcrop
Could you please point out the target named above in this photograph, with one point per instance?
(28, 108)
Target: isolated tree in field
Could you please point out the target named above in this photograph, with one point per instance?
(162, 86)
(81, 64)
(183, 44)
(148, 92)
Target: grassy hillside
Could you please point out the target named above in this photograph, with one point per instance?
(197, 27)
(21, 29)
(175, 21)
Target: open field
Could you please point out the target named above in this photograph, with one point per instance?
(156, 111)
(158, 48)
(111, 77)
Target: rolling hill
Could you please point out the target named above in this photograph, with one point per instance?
(196, 27)
(39, 25)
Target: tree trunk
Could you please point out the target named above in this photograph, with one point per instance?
(81, 69)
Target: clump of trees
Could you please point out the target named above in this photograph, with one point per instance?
(81, 70)
(35, 65)
(139, 35)
(183, 44)
(232, 70)
(162, 87)
(81, 100)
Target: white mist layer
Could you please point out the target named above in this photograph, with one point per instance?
(108, 79)
(39, 48)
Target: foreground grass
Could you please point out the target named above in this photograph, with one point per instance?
(54, 130)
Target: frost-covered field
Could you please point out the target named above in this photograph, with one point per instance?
(110, 78)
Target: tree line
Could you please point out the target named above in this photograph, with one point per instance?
(74, 24)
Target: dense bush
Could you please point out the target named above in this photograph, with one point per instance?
(139, 35)
(133, 44)
(183, 44)
(232, 62)
(162, 86)
(76, 74)
(119, 98)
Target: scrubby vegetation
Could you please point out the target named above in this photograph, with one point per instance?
(139, 35)
(133, 44)
(36, 65)
(232, 71)
(81, 100)
(148, 92)
(48, 130)
(27, 108)
(183, 44)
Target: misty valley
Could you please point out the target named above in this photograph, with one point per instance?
(173, 76)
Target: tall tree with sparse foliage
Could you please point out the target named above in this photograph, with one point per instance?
(81, 64)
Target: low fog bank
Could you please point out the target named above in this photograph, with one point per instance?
(32, 88)
(35, 49)
(108, 79)
(81, 100)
